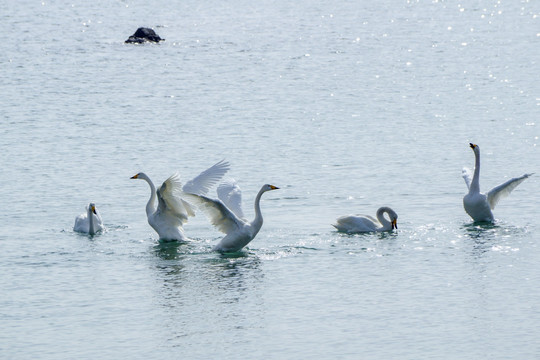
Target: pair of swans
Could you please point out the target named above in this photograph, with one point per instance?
(479, 206)
(172, 211)
(89, 222)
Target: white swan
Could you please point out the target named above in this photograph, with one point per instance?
(226, 215)
(90, 222)
(479, 205)
(172, 211)
(366, 223)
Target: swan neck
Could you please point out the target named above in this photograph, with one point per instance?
(258, 221)
(384, 221)
(475, 184)
(150, 206)
(91, 225)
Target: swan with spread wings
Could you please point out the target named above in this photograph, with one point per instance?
(226, 215)
(172, 211)
(479, 206)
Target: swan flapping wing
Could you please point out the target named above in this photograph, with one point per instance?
(220, 216)
(230, 194)
(170, 198)
(201, 184)
(503, 190)
(467, 176)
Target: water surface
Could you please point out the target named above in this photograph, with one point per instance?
(346, 106)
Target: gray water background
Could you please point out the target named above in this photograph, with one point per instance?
(347, 106)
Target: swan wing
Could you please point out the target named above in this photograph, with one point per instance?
(202, 183)
(220, 216)
(467, 176)
(230, 194)
(81, 223)
(367, 222)
(503, 190)
(170, 199)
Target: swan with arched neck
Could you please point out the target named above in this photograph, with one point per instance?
(366, 223)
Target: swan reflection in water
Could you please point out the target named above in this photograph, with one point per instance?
(186, 262)
(489, 237)
(169, 250)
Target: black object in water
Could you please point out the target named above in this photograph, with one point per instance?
(143, 35)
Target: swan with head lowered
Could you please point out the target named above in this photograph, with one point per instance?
(171, 212)
(479, 206)
(226, 215)
(366, 223)
(90, 222)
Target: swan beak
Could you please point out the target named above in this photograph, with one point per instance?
(394, 224)
(472, 145)
(94, 210)
(272, 187)
(135, 176)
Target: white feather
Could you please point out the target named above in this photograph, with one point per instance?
(202, 183)
(503, 190)
(467, 176)
(230, 194)
(219, 214)
(170, 198)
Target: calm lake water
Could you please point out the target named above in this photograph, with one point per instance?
(346, 106)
